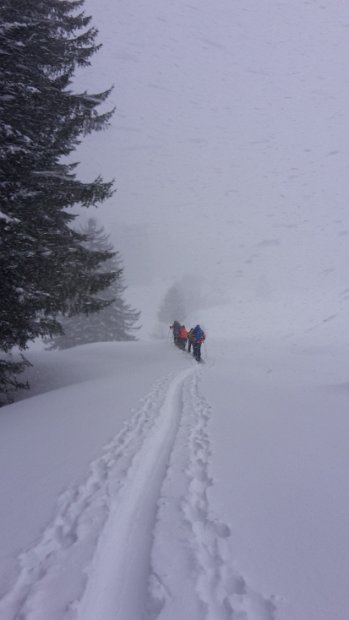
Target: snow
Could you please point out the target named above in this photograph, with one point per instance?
(137, 484)
(282, 470)
(5, 217)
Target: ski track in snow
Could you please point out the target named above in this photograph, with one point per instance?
(68, 542)
(139, 539)
(196, 577)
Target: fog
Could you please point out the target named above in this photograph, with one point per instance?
(229, 148)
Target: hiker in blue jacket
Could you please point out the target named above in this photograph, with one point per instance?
(197, 338)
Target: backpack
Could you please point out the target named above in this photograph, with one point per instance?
(183, 333)
(198, 334)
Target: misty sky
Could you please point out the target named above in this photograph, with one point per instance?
(230, 140)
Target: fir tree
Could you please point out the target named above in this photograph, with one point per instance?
(172, 307)
(116, 321)
(45, 268)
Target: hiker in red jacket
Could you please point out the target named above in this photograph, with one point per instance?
(183, 337)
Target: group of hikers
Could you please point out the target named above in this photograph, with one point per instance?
(194, 337)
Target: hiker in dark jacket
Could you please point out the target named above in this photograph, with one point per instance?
(176, 327)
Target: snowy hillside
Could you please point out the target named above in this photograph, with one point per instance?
(141, 485)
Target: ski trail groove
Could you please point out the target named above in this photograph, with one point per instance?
(117, 584)
(68, 543)
(192, 572)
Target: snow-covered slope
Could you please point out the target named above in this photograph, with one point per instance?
(144, 486)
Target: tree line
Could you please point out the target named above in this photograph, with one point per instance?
(50, 270)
